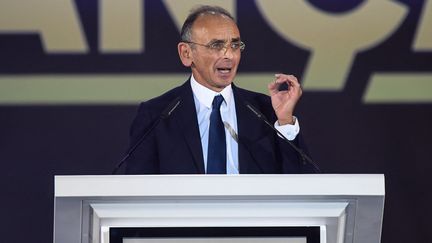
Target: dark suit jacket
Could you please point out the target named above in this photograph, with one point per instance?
(174, 146)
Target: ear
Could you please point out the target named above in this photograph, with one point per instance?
(185, 54)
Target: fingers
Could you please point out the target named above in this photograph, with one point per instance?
(273, 88)
(290, 80)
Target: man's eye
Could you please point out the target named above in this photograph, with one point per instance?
(235, 45)
(217, 45)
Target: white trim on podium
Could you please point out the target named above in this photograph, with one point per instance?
(188, 185)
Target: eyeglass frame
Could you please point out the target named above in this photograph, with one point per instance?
(241, 47)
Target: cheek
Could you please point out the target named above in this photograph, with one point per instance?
(238, 58)
(209, 63)
(205, 61)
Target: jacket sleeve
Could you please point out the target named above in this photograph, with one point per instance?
(292, 161)
(143, 160)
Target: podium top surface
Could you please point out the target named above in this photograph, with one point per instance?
(215, 185)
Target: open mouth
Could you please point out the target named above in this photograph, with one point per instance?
(224, 70)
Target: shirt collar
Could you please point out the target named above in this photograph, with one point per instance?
(205, 95)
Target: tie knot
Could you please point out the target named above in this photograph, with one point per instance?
(217, 101)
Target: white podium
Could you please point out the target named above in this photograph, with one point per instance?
(203, 208)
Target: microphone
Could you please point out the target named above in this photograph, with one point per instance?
(164, 114)
(231, 131)
(298, 150)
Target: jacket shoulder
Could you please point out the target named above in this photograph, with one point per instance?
(259, 100)
(149, 111)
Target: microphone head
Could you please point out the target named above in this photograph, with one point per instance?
(254, 110)
(171, 107)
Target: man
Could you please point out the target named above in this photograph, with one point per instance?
(211, 130)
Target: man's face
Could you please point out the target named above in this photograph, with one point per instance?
(215, 69)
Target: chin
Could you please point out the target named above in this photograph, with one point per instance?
(224, 83)
(226, 80)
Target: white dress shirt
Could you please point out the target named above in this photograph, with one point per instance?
(203, 98)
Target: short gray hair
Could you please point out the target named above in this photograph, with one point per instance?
(186, 31)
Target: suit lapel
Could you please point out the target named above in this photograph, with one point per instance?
(250, 131)
(186, 117)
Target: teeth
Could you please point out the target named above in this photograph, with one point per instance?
(224, 70)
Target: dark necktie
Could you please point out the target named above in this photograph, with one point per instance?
(216, 155)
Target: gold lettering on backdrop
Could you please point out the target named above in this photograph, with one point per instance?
(423, 37)
(121, 26)
(333, 39)
(405, 87)
(56, 22)
(179, 9)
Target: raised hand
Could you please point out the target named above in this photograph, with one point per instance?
(284, 101)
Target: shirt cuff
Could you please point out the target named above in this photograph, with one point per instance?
(288, 130)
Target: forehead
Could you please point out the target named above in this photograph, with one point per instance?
(214, 27)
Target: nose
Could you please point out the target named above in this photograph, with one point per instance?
(228, 51)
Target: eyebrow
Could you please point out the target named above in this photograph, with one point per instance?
(220, 40)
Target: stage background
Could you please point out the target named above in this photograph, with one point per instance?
(73, 72)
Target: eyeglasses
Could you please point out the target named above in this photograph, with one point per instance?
(220, 45)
